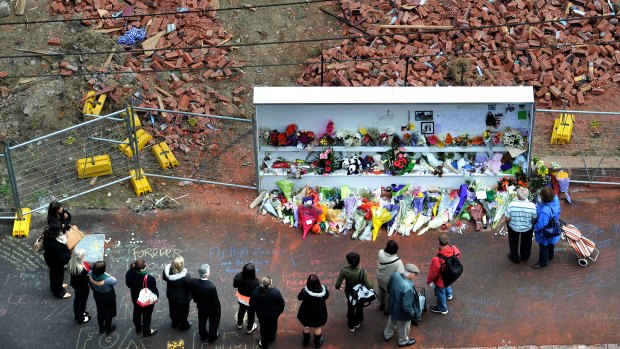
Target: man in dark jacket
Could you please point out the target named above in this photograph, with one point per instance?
(204, 294)
(401, 305)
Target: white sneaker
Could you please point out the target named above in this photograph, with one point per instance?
(254, 327)
(449, 297)
(239, 327)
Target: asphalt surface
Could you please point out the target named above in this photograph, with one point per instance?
(496, 303)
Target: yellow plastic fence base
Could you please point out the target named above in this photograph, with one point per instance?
(96, 166)
(21, 227)
(136, 119)
(143, 139)
(164, 156)
(562, 129)
(140, 186)
(93, 106)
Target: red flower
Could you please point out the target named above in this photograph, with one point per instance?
(328, 169)
(328, 162)
(291, 129)
(282, 140)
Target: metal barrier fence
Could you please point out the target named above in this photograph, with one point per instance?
(211, 149)
(593, 154)
(45, 168)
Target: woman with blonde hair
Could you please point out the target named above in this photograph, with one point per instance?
(269, 305)
(178, 291)
(79, 269)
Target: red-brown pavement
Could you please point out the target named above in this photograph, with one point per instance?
(496, 303)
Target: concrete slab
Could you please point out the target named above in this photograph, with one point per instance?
(496, 303)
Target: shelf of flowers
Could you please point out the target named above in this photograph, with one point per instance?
(375, 149)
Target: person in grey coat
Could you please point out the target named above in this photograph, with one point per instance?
(389, 263)
(400, 306)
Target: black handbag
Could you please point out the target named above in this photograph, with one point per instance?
(553, 228)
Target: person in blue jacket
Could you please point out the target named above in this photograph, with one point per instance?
(401, 305)
(549, 207)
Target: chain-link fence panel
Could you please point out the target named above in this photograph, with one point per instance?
(592, 155)
(68, 163)
(208, 148)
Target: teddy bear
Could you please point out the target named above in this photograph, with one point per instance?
(378, 164)
(496, 163)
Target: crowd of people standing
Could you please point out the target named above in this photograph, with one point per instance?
(260, 299)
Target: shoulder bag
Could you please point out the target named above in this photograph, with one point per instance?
(361, 294)
(553, 226)
(146, 296)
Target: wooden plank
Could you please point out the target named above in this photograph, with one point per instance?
(105, 31)
(109, 60)
(163, 92)
(403, 26)
(151, 43)
(161, 106)
(20, 7)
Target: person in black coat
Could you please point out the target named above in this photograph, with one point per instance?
(79, 269)
(134, 279)
(178, 291)
(246, 282)
(56, 256)
(56, 212)
(269, 304)
(313, 311)
(204, 294)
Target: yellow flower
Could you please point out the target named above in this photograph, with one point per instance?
(363, 131)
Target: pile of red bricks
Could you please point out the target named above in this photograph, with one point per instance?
(192, 30)
(562, 74)
(196, 65)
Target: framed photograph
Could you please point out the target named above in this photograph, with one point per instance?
(424, 115)
(427, 128)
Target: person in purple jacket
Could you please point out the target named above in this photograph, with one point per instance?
(549, 208)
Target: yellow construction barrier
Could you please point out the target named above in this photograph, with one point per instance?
(21, 227)
(143, 139)
(136, 119)
(93, 106)
(140, 186)
(164, 156)
(562, 128)
(95, 166)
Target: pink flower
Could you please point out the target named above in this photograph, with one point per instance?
(323, 156)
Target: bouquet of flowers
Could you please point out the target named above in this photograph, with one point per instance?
(398, 162)
(433, 141)
(326, 139)
(326, 162)
(476, 141)
(449, 140)
(308, 215)
(384, 139)
(371, 136)
(305, 139)
(380, 215)
(461, 140)
(514, 139)
(541, 177)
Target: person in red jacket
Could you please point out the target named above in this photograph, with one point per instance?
(434, 278)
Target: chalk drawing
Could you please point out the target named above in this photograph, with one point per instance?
(93, 244)
(19, 253)
(90, 338)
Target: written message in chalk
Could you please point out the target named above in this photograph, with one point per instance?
(19, 253)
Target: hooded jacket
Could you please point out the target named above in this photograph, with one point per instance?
(313, 311)
(388, 265)
(434, 271)
(178, 288)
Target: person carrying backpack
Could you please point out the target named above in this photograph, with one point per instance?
(444, 270)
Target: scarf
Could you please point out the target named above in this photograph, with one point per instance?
(62, 239)
(99, 277)
(141, 272)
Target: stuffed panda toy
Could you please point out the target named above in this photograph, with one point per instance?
(354, 165)
(344, 164)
